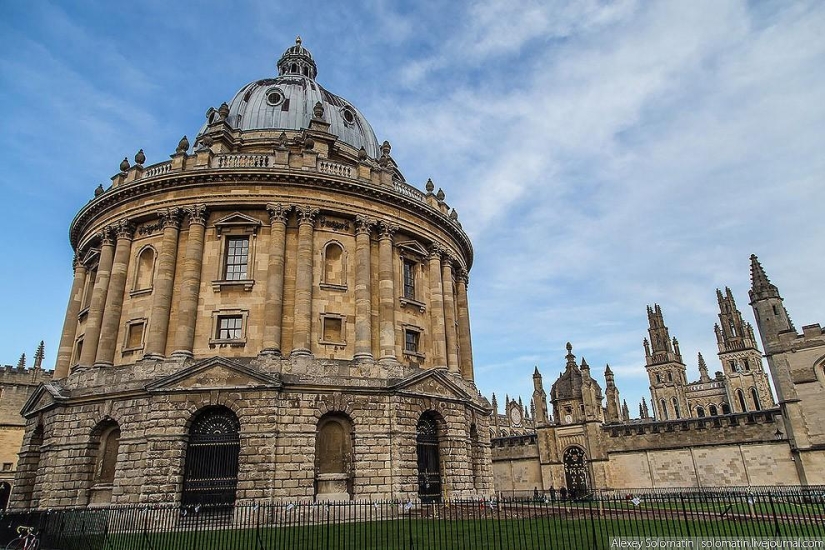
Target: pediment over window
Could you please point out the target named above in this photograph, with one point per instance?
(239, 221)
(413, 247)
(44, 396)
(215, 373)
(432, 383)
(91, 257)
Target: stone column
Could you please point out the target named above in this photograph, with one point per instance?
(303, 283)
(163, 285)
(465, 345)
(363, 290)
(437, 330)
(449, 313)
(95, 314)
(64, 352)
(191, 284)
(114, 296)
(274, 305)
(386, 292)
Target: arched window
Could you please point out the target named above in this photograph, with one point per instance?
(713, 410)
(333, 458)
(676, 410)
(575, 472)
(28, 468)
(663, 408)
(334, 265)
(757, 406)
(670, 377)
(740, 396)
(429, 460)
(700, 412)
(475, 456)
(144, 269)
(106, 442)
(211, 473)
(725, 408)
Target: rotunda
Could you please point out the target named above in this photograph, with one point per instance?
(275, 313)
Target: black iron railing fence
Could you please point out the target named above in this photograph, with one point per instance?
(535, 522)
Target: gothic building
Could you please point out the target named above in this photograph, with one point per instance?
(720, 431)
(273, 313)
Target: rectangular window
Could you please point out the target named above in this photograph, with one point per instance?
(411, 339)
(237, 258)
(409, 279)
(7, 466)
(332, 330)
(230, 327)
(134, 335)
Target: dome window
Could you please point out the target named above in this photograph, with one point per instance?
(274, 97)
(348, 114)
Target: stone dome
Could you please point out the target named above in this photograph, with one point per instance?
(288, 101)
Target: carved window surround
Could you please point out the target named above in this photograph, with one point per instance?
(411, 256)
(324, 339)
(215, 341)
(418, 332)
(236, 225)
(129, 327)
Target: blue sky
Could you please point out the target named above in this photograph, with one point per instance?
(602, 155)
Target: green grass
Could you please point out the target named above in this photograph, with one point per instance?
(446, 534)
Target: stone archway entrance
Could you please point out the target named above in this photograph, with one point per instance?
(429, 464)
(575, 471)
(211, 475)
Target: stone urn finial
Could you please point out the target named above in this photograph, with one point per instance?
(124, 165)
(440, 195)
(140, 158)
(318, 110)
(223, 111)
(99, 190)
(183, 145)
(430, 186)
(386, 148)
(362, 153)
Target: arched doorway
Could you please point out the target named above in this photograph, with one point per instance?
(575, 471)
(333, 458)
(211, 474)
(5, 491)
(429, 463)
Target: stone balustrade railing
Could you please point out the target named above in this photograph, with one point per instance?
(232, 161)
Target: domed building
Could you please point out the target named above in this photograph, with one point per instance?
(275, 313)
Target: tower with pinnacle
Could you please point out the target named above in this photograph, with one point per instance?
(740, 358)
(665, 369)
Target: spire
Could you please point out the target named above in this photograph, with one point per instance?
(703, 369)
(38, 355)
(625, 411)
(21, 363)
(761, 287)
(495, 404)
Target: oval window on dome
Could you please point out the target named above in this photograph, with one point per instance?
(274, 97)
(348, 114)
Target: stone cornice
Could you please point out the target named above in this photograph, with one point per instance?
(126, 193)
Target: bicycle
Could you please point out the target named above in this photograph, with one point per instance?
(26, 539)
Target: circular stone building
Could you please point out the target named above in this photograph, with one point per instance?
(273, 314)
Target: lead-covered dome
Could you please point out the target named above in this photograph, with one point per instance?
(288, 101)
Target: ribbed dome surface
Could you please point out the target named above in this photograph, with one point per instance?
(287, 102)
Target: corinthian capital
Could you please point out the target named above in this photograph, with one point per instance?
(436, 251)
(278, 213)
(364, 224)
(170, 217)
(107, 235)
(196, 213)
(386, 229)
(306, 214)
(124, 229)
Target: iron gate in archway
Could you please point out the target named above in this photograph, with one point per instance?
(575, 471)
(211, 475)
(429, 466)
